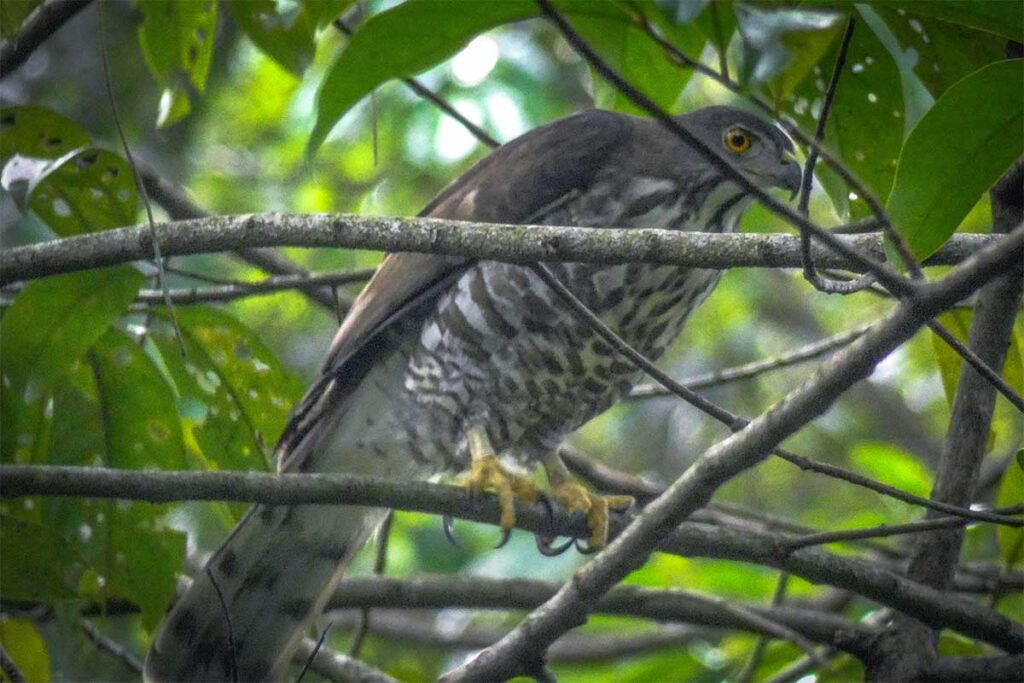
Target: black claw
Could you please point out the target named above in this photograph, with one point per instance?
(505, 535)
(583, 549)
(549, 507)
(448, 524)
(546, 547)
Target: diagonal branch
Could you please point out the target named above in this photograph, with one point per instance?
(522, 650)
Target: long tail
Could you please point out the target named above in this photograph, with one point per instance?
(242, 617)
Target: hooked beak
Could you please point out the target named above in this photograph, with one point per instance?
(788, 177)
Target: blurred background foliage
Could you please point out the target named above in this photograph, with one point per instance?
(227, 99)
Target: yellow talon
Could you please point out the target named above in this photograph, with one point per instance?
(487, 473)
(575, 497)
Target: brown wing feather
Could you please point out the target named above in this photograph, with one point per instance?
(510, 185)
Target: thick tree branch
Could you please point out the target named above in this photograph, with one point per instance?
(688, 540)
(522, 650)
(911, 647)
(513, 243)
(666, 605)
(39, 26)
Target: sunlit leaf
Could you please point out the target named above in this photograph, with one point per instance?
(82, 191)
(284, 31)
(892, 466)
(956, 152)
(138, 411)
(230, 385)
(780, 47)
(26, 648)
(950, 363)
(402, 42)
(1011, 492)
(177, 42)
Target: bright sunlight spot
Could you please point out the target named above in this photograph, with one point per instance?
(471, 66)
(453, 141)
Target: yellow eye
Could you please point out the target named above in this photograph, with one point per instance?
(737, 140)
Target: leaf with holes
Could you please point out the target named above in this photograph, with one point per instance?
(143, 430)
(230, 387)
(284, 32)
(38, 133)
(1000, 18)
(945, 52)
(84, 190)
(865, 127)
(402, 42)
(177, 43)
(954, 154)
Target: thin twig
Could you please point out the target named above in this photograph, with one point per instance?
(227, 621)
(9, 668)
(810, 273)
(380, 563)
(110, 646)
(141, 186)
(982, 368)
(239, 289)
(805, 353)
(750, 668)
(435, 99)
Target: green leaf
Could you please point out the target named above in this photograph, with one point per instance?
(781, 47)
(1001, 18)
(38, 132)
(176, 37)
(401, 42)
(865, 127)
(284, 31)
(614, 34)
(138, 411)
(50, 325)
(958, 149)
(892, 466)
(13, 14)
(1011, 492)
(84, 190)
(945, 52)
(230, 387)
(950, 363)
(54, 321)
(26, 649)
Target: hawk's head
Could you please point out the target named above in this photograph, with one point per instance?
(756, 147)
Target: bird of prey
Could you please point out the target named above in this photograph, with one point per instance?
(446, 362)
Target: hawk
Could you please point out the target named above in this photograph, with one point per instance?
(445, 362)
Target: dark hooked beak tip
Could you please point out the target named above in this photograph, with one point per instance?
(789, 178)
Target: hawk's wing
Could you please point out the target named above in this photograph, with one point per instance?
(510, 185)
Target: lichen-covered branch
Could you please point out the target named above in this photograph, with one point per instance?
(512, 243)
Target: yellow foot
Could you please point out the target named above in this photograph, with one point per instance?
(575, 497)
(488, 474)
